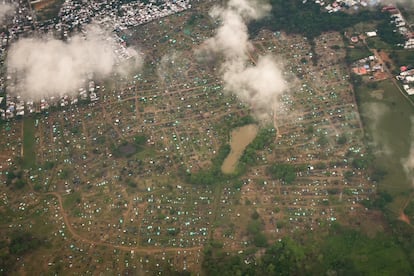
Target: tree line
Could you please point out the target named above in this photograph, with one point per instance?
(295, 17)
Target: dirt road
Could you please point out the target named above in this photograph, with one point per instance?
(136, 249)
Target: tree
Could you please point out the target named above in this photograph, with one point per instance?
(140, 140)
(260, 240)
(22, 242)
(286, 256)
(388, 33)
(356, 80)
(255, 215)
(309, 130)
(341, 140)
(283, 172)
(20, 183)
(378, 173)
(360, 163)
(308, 19)
(322, 140)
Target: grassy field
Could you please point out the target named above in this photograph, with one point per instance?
(403, 57)
(358, 53)
(386, 115)
(71, 200)
(29, 155)
(377, 43)
(48, 9)
(368, 256)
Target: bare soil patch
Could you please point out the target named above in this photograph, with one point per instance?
(40, 5)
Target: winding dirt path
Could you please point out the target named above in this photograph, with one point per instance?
(402, 216)
(136, 249)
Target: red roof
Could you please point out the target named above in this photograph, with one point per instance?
(360, 70)
(388, 8)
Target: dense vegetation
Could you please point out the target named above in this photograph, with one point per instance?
(128, 149)
(20, 243)
(255, 231)
(308, 19)
(342, 252)
(242, 121)
(283, 172)
(264, 139)
(51, 11)
(388, 35)
(213, 174)
(15, 179)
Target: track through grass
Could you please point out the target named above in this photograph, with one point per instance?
(29, 154)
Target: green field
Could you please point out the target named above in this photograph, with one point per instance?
(387, 115)
(50, 11)
(29, 155)
(403, 57)
(71, 200)
(357, 53)
(377, 43)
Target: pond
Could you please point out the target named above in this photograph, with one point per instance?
(240, 138)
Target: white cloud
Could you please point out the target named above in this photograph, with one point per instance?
(5, 9)
(258, 84)
(50, 67)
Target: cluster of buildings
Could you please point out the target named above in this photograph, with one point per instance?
(339, 5)
(22, 22)
(407, 78)
(185, 123)
(118, 15)
(398, 20)
(136, 13)
(15, 106)
(15, 24)
(73, 16)
(406, 75)
(367, 66)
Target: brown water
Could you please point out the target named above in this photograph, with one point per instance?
(240, 138)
